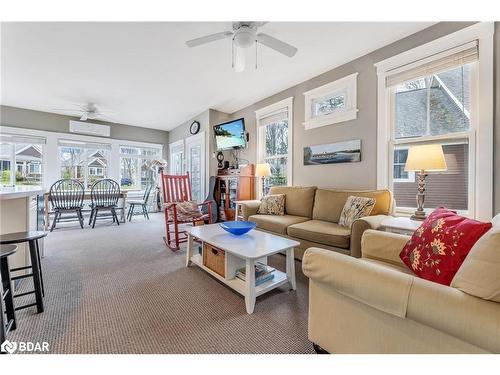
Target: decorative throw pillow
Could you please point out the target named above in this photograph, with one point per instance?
(354, 208)
(439, 246)
(186, 211)
(273, 204)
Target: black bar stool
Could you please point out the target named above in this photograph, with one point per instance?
(6, 293)
(32, 238)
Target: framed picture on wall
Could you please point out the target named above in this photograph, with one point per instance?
(332, 153)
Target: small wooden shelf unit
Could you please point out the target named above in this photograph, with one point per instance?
(233, 185)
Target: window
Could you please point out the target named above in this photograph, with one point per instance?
(275, 142)
(86, 162)
(177, 157)
(26, 154)
(331, 103)
(136, 166)
(430, 95)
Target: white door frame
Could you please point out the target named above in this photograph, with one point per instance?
(198, 139)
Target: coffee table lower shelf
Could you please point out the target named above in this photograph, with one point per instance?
(239, 285)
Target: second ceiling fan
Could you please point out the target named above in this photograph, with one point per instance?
(244, 35)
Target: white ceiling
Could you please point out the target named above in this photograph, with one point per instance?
(145, 74)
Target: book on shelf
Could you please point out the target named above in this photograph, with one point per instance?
(263, 273)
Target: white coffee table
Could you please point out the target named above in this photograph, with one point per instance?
(244, 251)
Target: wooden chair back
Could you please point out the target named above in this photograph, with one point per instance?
(105, 193)
(66, 194)
(176, 188)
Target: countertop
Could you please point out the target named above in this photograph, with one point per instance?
(13, 192)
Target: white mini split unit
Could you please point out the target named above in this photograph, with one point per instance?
(88, 128)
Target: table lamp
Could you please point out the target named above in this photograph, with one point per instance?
(263, 170)
(423, 159)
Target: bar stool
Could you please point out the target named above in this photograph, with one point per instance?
(6, 292)
(32, 238)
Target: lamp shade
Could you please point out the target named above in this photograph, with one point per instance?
(263, 170)
(429, 158)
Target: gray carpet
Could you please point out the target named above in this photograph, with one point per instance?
(120, 290)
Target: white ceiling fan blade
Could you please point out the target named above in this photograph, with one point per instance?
(276, 44)
(208, 38)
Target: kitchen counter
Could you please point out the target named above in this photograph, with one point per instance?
(12, 192)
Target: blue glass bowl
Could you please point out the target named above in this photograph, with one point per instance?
(238, 227)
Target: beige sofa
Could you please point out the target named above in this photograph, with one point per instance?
(312, 215)
(375, 305)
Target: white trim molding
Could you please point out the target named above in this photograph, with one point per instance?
(268, 111)
(346, 87)
(481, 134)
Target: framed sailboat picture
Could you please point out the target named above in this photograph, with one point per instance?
(339, 152)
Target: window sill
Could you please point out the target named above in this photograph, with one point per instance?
(318, 122)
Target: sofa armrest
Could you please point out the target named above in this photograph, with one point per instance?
(358, 228)
(249, 208)
(450, 310)
(383, 246)
(379, 287)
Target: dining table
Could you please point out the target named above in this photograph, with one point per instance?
(86, 196)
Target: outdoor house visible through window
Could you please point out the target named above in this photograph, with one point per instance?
(86, 162)
(21, 159)
(274, 143)
(431, 103)
(136, 170)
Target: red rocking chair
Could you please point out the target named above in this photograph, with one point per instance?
(176, 189)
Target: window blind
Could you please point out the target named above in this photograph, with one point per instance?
(77, 144)
(14, 138)
(274, 117)
(455, 57)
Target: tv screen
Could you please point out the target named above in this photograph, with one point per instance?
(230, 135)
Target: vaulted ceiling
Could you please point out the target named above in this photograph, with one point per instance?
(143, 74)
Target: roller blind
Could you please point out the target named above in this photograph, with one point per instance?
(455, 57)
(274, 117)
(77, 144)
(15, 138)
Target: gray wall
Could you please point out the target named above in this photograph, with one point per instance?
(26, 118)
(361, 175)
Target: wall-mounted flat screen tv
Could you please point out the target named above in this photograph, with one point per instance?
(230, 135)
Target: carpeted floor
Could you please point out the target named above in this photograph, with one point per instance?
(120, 290)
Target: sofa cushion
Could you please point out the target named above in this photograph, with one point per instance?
(328, 203)
(299, 200)
(479, 274)
(437, 249)
(276, 223)
(272, 205)
(355, 208)
(322, 232)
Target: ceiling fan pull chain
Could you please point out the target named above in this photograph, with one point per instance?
(232, 53)
(256, 54)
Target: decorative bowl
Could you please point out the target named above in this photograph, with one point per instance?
(238, 227)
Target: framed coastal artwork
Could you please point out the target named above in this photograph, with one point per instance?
(331, 153)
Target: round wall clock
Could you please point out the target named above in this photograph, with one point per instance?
(195, 127)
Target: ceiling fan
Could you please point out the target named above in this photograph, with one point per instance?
(86, 112)
(244, 35)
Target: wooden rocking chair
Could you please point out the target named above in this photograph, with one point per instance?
(177, 189)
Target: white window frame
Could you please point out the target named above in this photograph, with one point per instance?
(481, 133)
(137, 157)
(194, 140)
(266, 111)
(51, 165)
(344, 86)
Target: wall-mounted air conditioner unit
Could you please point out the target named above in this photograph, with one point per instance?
(89, 129)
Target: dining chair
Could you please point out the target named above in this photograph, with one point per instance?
(66, 195)
(104, 195)
(140, 202)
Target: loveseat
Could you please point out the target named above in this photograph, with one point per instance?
(376, 305)
(312, 216)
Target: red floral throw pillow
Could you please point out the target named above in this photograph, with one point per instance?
(438, 247)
